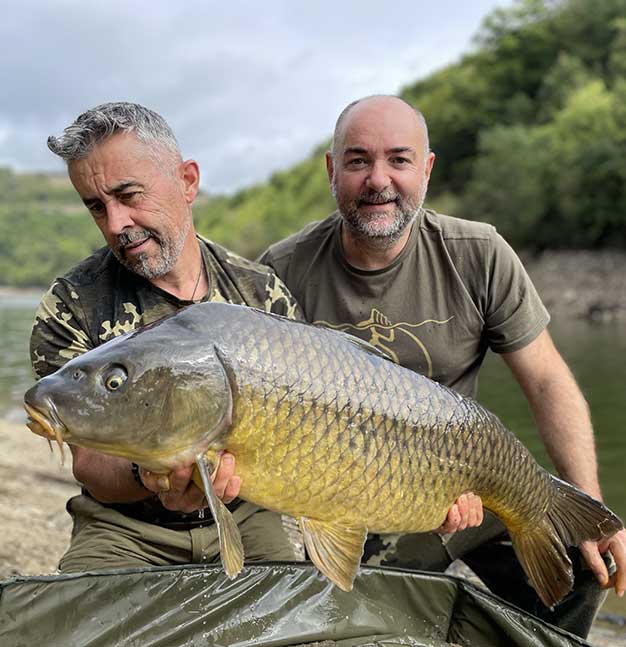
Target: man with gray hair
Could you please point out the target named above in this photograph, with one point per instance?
(125, 164)
(435, 293)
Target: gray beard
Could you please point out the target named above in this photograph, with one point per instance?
(144, 264)
(366, 231)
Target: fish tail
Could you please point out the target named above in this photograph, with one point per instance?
(571, 518)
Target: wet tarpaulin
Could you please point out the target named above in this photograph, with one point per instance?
(268, 605)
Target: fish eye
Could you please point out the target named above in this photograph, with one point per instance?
(115, 378)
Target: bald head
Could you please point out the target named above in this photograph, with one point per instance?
(378, 109)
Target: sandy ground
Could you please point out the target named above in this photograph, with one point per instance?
(36, 528)
(33, 491)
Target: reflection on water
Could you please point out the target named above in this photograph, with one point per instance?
(594, 352)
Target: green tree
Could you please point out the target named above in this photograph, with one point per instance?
(508, 186)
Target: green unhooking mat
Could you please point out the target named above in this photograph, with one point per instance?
(268, 605)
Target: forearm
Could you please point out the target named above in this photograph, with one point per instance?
(564, 422)
(108, 479)
(560, 411)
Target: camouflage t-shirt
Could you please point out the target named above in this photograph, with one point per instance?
(455, 290)
(100, 299)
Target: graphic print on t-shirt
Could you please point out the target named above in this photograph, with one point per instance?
(383, 334)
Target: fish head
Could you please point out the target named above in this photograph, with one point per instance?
(157, 396)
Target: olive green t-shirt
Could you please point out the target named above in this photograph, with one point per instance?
(456, 289)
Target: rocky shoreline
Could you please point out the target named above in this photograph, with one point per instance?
(580, 284)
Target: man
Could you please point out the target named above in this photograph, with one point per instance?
(125, 164)
(435, 292)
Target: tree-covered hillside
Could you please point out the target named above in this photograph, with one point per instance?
(529, 131)
(44, 228)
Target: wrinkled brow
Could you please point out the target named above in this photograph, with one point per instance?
(118, 188)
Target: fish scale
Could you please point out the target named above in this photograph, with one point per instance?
(357, 427)
(324, 428)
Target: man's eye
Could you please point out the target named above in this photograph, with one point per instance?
(401, 161)
(96, 209)
(356, 162)
(129, 196)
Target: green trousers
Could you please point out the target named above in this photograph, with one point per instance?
(105, 538)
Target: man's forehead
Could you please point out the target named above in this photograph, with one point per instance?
(119, 160)
(119, 147)
(379, 120)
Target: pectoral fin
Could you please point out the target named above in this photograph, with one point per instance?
(336, 550)
(231, 548)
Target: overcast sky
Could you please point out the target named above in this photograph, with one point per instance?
(248, 87)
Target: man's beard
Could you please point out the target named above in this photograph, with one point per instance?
(367, 228)
(147, 265)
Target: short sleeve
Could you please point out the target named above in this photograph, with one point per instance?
(59, 331)
(515, 314)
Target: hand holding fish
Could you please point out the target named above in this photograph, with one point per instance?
(616, 545)
(177, 491)
(466, 512)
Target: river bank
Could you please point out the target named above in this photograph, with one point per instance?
(34, 488)
(580, 284)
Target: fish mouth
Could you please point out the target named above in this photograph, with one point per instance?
(47, 425)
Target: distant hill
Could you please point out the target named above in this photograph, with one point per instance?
(529, 131)
(44, 228)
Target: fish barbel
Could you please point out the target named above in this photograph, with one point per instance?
(324, 428)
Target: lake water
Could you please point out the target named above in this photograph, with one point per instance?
(595, 352)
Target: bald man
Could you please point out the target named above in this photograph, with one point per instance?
(435, 293)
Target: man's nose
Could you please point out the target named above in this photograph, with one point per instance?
(378, 178)
(119, 217)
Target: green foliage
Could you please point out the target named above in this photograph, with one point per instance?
(44, 228)
(561, 183)
(564, 77)
(36, 187)
(508, 184)
(255, 217)
(546, 165)
(587, 141)
(38, 244)
(529, 129)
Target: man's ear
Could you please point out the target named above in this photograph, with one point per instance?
(428, 167)
(190, 176)
(330, 167)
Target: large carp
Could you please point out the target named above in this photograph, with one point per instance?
(324, 428)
